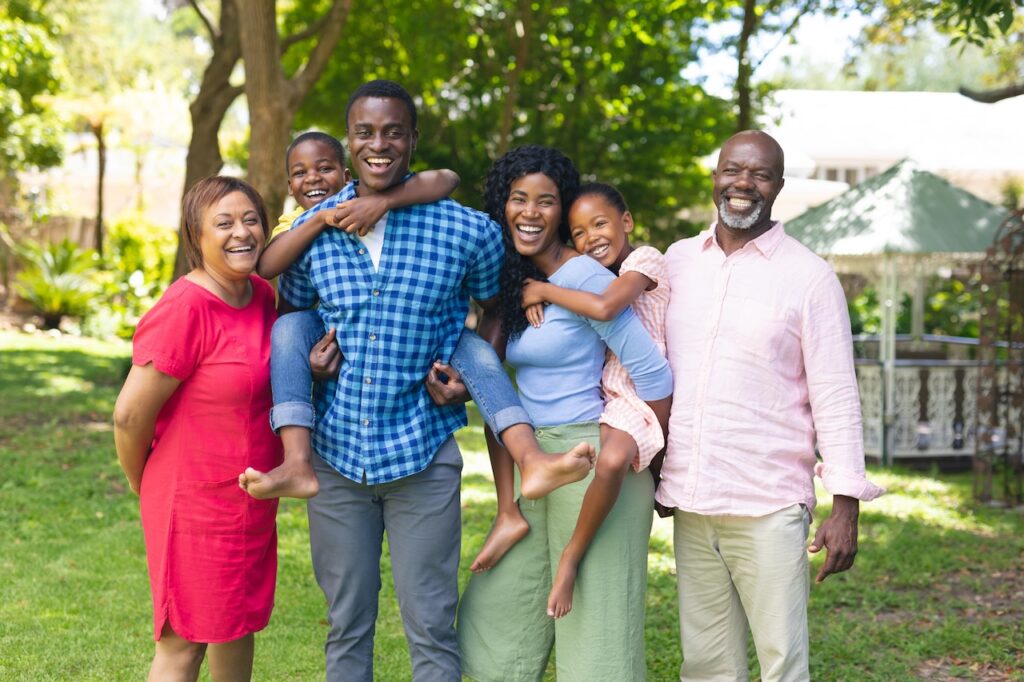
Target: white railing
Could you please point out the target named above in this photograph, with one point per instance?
(935, 408)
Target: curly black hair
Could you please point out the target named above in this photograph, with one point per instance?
(513, 165)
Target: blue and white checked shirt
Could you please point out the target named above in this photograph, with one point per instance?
(377, 418)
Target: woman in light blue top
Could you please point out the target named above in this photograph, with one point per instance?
(504, 630)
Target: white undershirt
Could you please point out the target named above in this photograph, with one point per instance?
(374, 241)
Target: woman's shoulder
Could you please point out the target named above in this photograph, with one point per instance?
(582, 272)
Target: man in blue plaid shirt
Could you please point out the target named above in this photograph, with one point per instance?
(398, 298)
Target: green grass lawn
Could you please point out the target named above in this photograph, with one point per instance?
(937, 592)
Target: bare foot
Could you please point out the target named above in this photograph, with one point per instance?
(507, 531)
(560, 599)
(542, 472)
(294, 478)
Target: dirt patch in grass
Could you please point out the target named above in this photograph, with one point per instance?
(1000, 595)
(950, 669)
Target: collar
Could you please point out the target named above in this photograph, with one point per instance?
(767, 243)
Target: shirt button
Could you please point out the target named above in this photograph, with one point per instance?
(373, 337)
(368, 380)
(376, 292)
(366, 422)
(362, 251)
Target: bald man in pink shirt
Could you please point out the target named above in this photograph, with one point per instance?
(759, 343)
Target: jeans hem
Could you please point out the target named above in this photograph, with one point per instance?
(292, 414)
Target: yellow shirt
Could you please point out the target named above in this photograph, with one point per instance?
(284, 223)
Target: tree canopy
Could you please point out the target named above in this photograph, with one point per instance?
(29, 77)
(600, 80)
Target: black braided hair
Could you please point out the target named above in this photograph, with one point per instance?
(513, 165)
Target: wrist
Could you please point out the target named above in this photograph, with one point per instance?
(845, 506)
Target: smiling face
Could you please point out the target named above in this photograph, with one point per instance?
(599, 230)
(231, 237)
(314, 173)
(747, 180)
(533, 212)
(381, 139)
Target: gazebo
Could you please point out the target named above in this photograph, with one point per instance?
(896, 229)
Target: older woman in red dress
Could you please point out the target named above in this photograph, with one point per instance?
(192, 415)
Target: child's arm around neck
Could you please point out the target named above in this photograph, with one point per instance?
(357, 215)
(602, 307)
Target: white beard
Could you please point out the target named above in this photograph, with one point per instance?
(738, 222)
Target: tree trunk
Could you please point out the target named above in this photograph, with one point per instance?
(274, 98)
(208, 110)
(270, 118)
(101, 172)
(744, 70)
(521, 27)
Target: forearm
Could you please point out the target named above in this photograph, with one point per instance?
(289, 246)
(583, 303)
(662, 409)
(133, 440)
(422, 188)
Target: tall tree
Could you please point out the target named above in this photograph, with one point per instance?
(114, 48)
(274, 96)
(262, 54)
(210, 105)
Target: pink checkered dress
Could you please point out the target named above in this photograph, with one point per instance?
(623, 408)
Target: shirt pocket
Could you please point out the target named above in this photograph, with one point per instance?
(761, 332)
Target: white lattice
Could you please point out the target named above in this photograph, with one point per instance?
(970, 406)
(941, 406)
(908, 407)
(869, 381)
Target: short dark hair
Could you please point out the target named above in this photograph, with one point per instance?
(202, 196)
(525, 160)
(383, 88)
(316, 136)
(602, 189)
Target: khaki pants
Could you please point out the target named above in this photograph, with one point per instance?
(503, 628)
(738, 570)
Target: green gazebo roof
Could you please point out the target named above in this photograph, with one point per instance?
(903, 210)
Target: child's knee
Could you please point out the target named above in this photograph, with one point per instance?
(613, 462)
(296, 330)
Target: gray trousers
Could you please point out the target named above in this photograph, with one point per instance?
(423, 520)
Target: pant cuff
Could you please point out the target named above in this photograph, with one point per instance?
(292, 414)
(509, 416)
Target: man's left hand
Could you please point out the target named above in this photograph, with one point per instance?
(445, 385)
(838, 535)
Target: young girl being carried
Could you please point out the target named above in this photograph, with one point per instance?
(631, 433)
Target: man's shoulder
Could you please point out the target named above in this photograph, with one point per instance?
(797, 254)
(453, 214)
(685, 247)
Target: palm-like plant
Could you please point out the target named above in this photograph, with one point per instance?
(57, 279)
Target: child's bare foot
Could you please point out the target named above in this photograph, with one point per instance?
(293, 478)
(507, 531)
(560, 600)
(542, 472)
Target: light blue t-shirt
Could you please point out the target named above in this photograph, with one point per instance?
(558, 365)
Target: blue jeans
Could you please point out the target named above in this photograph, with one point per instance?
(290, 379)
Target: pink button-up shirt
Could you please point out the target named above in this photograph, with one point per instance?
(760, 348)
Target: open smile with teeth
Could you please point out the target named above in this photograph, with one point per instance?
(739, 203)
(241, 249)
(316, 193)
(378, 162)
(598, 251)
(529, 230)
